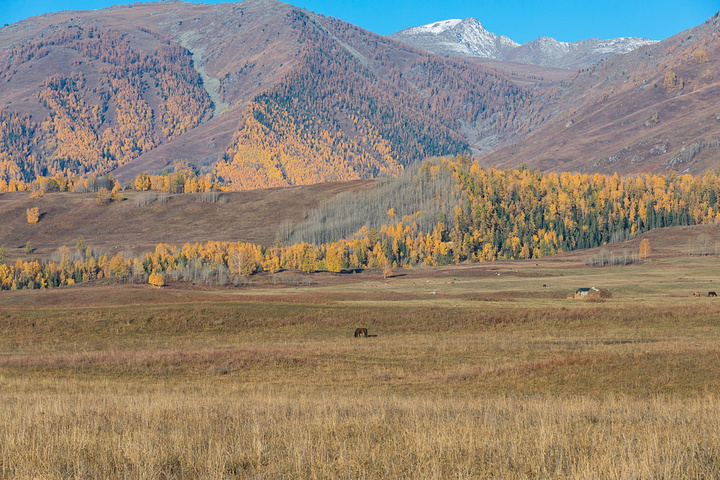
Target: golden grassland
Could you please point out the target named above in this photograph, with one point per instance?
(475, 372)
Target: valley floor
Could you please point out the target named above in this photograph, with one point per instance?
(475, 371)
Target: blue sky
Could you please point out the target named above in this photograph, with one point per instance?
(521, 20)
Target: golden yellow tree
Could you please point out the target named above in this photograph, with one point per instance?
(156, 280)
(334, 257)
(670, 80)
(387, 267)
(33, 215)
(118, 266)
(103, 197)
(645, 248)
(115, 194)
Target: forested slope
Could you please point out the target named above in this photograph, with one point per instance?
(113, 103)
(299, 98)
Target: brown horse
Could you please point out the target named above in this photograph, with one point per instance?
(712, 294)
(361, 332)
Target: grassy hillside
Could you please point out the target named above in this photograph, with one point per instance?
(650, 110)
(126, 227)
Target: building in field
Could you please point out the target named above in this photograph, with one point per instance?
(587, 292)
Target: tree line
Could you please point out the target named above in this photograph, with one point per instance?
(481, 214)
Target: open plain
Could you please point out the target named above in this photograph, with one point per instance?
(470, 371)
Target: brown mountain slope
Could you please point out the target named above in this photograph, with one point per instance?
(255, 216)
(283, 96)
(526, 74)
(654, 109)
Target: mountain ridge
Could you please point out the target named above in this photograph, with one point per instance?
(468, 38)
(263, 94)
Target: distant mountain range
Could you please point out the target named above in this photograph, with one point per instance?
(468, 38)
(264, 94)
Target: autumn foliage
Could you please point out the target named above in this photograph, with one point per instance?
(330, 119)
(498, 214)
(156, 280)
(645, 249)
(33, 215)
(99, 116)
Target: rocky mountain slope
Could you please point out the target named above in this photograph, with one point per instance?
(468, 38)
(257, 93)
(573, 55)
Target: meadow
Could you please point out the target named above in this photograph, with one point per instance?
(471, 371)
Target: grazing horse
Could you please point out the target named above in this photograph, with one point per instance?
(697, 294)
(712, 294)
(361, 332)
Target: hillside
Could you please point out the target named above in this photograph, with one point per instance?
(654, 109)
(280, 95)
(263, 94)
(255, 216)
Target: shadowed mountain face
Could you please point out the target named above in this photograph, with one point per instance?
(258, 93)
(468, 38)
(653, 109)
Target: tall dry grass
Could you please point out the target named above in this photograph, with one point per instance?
(214, 431)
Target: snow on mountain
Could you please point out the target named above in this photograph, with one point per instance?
(457, 37)
(434, 28)
(552, 53)
(622, 44)
(468, 38)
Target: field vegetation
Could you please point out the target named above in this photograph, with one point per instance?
(476, 371)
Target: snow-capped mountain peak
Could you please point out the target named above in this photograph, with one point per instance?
(468, 38)
(457, 37)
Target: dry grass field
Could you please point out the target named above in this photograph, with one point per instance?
(253, 216)
(474, 371)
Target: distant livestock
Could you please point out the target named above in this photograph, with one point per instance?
(712, 294)
(697, 294)
(361, 332)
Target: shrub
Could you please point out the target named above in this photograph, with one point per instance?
(103, 197)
